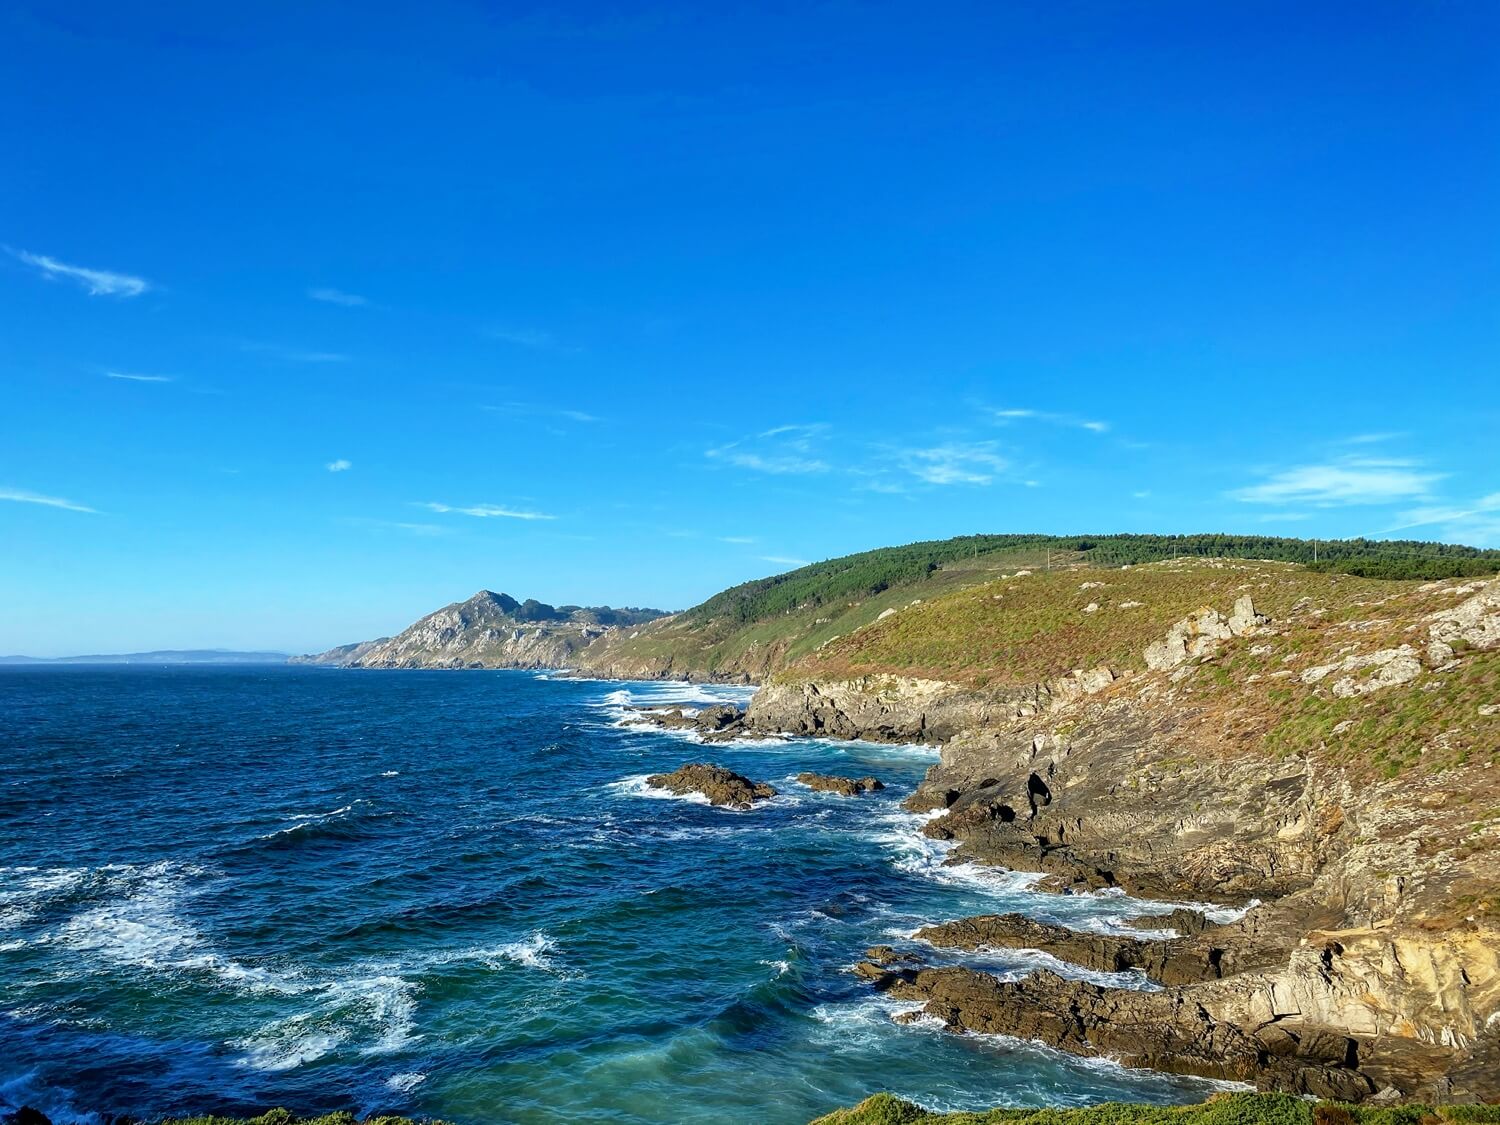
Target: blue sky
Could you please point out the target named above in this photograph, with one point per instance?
(316, 317)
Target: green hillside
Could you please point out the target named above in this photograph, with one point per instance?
(755, 629)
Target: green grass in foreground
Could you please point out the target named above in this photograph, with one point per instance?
(1222, 1109)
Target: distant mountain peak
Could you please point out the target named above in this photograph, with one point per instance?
(489, 630)
(504, 602)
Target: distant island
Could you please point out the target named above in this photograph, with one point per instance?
(159, 656)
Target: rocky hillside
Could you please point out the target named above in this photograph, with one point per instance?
(750, 632)
(489, 631)
(1319, 745)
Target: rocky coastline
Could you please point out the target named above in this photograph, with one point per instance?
(1364, 962)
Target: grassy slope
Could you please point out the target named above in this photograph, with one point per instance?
(1231, 1109)
(1031, 629)
(701, 641)
(757, 628)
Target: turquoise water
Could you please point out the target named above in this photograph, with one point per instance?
(451, 894)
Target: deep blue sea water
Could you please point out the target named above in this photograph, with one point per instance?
(450, 894)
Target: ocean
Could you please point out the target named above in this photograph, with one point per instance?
(451, 894)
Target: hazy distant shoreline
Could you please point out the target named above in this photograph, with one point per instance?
(160, 656)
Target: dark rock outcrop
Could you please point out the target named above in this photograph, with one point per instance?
(719, 723)
(844, 786)
(719, 785)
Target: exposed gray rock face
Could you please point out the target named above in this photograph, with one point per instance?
(1199, 636)
(1367, 672)
(489, 631)
(884, 709)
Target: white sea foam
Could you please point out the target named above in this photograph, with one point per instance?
(1013, 964)
(27, 891)
(144, 927)
(405, 1083)
(860, 1024)
(917, 750)
(391, 773)
(140, 926)
(621, 704)
(287, 1044)
(637, 786)
(534, 952)
(899, 832)
(372, 1005)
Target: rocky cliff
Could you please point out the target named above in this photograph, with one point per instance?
(489, 630)
(1319, 749)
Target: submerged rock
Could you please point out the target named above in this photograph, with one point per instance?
(844, 786)
(721, 786)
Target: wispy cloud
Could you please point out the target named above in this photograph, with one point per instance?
(98, 283)
(339, 466)
(338, 297)
(742, 540)
(138, 378)
(1476, 522)
(1015, 414)
(535, 339)
(23, 496)
(1350, 480)
(293, 355)
(781, 451)
(783, 560)
(485, 511)
(1370, 439)
(777, 464)
(955, 463)
(530, 408)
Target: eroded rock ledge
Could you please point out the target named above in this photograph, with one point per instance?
(1168, 1030)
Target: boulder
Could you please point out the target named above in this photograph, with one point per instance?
(721, 786)
(844, 786)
